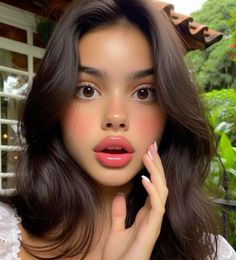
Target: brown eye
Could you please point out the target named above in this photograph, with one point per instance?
(142, 93)
(86, 90)
(145, 94)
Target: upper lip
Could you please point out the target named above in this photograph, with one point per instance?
(114, 142)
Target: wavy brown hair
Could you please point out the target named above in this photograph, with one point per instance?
(53, 191)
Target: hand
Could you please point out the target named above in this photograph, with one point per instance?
(137, 241)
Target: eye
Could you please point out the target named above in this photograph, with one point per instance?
(145, 93)
(86, 90)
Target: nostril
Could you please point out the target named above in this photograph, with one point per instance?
(115, 125)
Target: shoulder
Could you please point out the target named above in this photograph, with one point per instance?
(225, 250)
(9, 233)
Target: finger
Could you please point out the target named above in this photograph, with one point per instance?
(156, 177)
(147, 205)
(157, 203)
(156, 213)
(118, 213)
(157, 160)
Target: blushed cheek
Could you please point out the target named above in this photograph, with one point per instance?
(77, 122)
(150, 127)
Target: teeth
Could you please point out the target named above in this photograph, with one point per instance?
(114, 148)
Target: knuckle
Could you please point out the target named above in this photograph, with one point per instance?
(165, 191)
(162, 210)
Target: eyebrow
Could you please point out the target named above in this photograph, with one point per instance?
(103, 74)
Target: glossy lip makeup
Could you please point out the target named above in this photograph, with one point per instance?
(114, 152)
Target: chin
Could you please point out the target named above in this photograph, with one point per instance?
(114, 179)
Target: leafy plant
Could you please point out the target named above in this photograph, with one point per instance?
(221, 105)
(215, 67)
(232, 26)
(44, 29)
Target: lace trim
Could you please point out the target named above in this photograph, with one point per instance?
(225, 251)
(10, 234)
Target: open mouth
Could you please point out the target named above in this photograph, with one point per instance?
(114, 150)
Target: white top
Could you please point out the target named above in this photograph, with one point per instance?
(10, 237)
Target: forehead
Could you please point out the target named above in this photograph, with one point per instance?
(115, 47)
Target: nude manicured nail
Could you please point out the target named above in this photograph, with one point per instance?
(150, 155)
(145, 178)
(155, 145)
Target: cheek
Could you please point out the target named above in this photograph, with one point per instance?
(77, 122)
(151, 125)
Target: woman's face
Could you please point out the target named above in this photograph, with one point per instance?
(114, 115)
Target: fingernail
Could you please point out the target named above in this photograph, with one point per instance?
(150, 155)
(155, 145)
(145, 178)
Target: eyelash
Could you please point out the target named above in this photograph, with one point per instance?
(151, 90)
(82, 85)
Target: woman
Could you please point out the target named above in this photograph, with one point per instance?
(112, 89)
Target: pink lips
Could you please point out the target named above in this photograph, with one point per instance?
(114, 152)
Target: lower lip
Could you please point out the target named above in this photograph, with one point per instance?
(113, 160)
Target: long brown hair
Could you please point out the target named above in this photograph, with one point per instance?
(52, 190)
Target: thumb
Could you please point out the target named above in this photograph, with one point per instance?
(118, 212)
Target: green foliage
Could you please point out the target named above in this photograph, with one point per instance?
(218, 69)
(215, 14)
(232, 26)
(222, 108)
(215, 67)
(44, 29)
(221, 105)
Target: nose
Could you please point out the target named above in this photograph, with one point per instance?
(115, 116)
